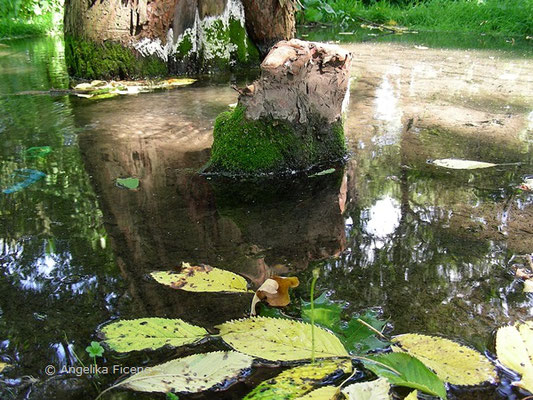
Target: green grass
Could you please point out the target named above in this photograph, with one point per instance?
(510, 17)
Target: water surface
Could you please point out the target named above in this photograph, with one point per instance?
(430, 249)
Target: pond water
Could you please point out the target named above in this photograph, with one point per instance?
(431, 250)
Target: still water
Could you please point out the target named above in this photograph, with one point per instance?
(431, 250)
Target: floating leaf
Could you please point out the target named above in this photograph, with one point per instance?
(514, 348)
(324, 172)
(150, 333)
(298, 381)
(451, 361)
(29, 176)
(280, 339)
(326, 312)
(128, 183)
(3, 365)
(37, 152)
(404, 370)
(95, 350)
(528, 286)
(323, 393)
(454, 163)
(275, 292)
(191, 374)
(202, 278)
(374, 390)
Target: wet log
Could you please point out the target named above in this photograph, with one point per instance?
(143, 38)
(291, 117)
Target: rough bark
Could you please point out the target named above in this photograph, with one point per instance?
(290, 118)
(132, 38)
(269, 21)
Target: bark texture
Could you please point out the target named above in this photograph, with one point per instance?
(133, 38)
(290, 118)
(269, 21)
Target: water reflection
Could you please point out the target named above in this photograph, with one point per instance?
(254, 228)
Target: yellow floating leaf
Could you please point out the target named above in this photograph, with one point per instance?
(452, 362)
(202, 279)
(514, 349)
(412, 396)
(454, 163)
(323, 393)
(280, 339)
(191, 374)
(3, 365)
(373, 390)
(298, 381)
(150, 333)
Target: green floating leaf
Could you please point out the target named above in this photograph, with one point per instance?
(404, 370)
(191, 374)
(326, 312)
(374, 390)
(298, 381)
(324, 172)
(202, 279)
(514, 347)
(95, 349)
(355, 335)
(280, 339)
(454, 163)
(38, 152)
(323, 393)
(150, 333)
(128, 183)
(452, 362)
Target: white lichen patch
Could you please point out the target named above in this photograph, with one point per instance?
(208, 36)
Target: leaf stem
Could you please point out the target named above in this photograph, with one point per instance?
(316, 274)
(371, 328)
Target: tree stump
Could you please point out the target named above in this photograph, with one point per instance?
(291, 117)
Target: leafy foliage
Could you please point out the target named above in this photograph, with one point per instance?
(374, 390)
(452, 362)
(202, 279)
(404, 370)
(354, 334)
(150, 333)
(190, 374)
(280, 339)
(298, 381)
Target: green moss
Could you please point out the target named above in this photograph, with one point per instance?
(244, 51)
(184, 46)
(255, 146)
(109, 60)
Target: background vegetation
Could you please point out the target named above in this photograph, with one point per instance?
(30, 17)
(479, 16)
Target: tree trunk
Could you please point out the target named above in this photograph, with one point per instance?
(269, 21)
(137, 38)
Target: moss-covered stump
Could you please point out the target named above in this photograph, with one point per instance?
(289, 119)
